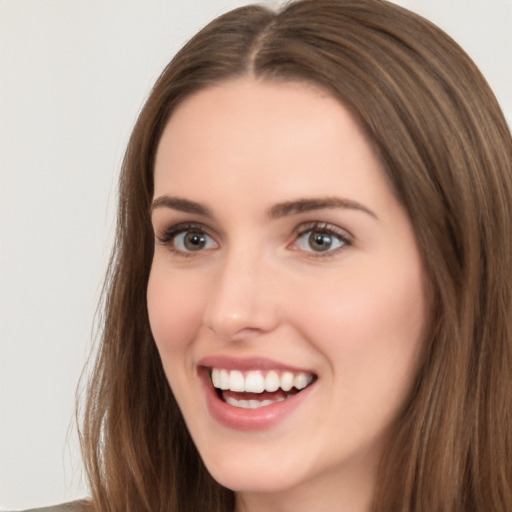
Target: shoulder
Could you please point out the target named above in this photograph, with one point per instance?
(73, 506)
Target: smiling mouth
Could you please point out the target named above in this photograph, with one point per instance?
(254, 389)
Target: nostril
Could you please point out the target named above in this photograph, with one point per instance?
(239, 305)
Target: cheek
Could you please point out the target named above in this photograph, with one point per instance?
(370, 328)
(361, 310)
(174, 309)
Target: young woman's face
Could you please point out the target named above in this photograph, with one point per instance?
(284, 266)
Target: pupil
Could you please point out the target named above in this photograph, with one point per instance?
(194, 241)
(320, 241)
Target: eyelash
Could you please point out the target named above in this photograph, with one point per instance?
(326, 229)
(168, 237)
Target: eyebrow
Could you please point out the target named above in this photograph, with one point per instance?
(321, 203)
(180, 204)
(275, 212)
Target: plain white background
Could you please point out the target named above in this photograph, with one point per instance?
(73, 76)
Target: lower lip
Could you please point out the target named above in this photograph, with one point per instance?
(239, 418)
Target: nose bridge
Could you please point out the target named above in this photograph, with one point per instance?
(240, 302)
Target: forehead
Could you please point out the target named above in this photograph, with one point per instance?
(274, 140)
(220, 112)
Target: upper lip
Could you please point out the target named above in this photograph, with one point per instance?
(248, 364)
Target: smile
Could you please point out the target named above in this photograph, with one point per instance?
(254, 389)
(254, 393)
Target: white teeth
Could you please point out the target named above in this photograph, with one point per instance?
(220, 379)
(302, 380)
(249, 404)
(272, 381)
(224, 379)
(256, 382)
(232, 401)
(236, 381)
(215, 377)
(287, 381)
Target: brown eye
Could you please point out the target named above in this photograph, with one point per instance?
(320, 240)
(192, 241)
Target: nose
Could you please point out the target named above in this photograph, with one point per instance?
(242, 302)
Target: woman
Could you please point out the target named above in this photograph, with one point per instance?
(308, 303)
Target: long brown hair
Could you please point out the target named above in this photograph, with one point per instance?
(447, 150)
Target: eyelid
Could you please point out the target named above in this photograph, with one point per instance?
(331, 229)
(166, 236)
(304, 227)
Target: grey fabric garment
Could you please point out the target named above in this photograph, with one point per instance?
(73, 506)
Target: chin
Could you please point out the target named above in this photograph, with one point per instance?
(255, 480)
(253, 468)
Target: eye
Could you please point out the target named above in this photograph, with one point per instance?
(318, 241)
(187, 239)
(190, 241)
(321, 238)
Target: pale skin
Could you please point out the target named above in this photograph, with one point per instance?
(306, 258)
